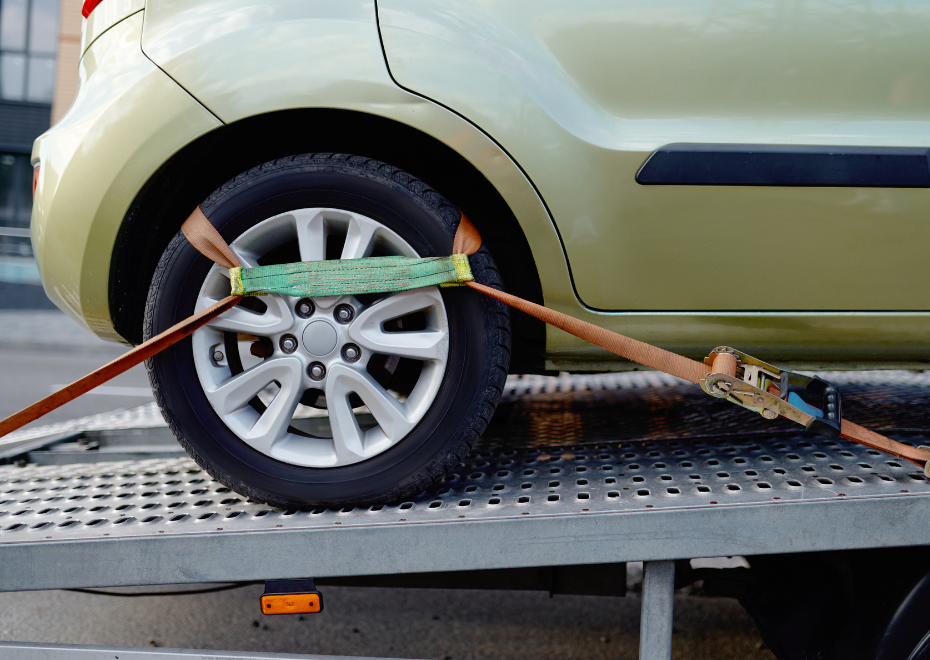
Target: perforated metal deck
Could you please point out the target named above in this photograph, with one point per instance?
(575, 473)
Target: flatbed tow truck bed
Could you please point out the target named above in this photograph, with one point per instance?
(574, 470)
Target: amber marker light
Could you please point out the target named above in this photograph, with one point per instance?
(291, 597)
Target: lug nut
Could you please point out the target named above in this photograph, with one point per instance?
(344, 313)
(304, 308)
(316, 371)
(351, 352)
(288, 343)
(218, 356)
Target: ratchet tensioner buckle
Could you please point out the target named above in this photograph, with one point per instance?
(810, 401)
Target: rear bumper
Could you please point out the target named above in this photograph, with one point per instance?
(127, 119)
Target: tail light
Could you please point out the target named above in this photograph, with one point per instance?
(89, 6)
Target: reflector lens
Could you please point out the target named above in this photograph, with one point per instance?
(291, 604)
(89, 6)
(35, 180)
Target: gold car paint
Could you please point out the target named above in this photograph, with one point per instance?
(106, 15)
(309, 53)
(128, 118)
(581, 93)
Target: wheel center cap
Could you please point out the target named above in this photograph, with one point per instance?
(319, 338)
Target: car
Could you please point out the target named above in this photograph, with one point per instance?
(688, 173)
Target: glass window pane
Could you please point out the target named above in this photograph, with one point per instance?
(13, 24)
(12, 76)
(43, 27)
(7, 189)
(41, 83)
(23, 183)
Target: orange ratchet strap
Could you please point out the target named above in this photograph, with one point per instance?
(726, 373)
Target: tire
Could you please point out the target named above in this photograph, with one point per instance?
(450, 396)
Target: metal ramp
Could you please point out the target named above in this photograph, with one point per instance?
(584, 470)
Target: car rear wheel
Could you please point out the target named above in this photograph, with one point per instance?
(338, 400)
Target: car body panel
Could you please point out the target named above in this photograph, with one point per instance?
(244, 58)
(128, 118)
(580, 95)
(328, 55)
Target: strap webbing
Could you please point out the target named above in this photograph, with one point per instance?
(296, 279)
(350, 277)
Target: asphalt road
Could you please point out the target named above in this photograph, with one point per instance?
(40, 350)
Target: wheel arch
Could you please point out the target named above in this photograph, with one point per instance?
(195, 171)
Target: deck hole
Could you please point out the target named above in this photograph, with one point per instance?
(819, 454)
(723, 475)
(231, 500)
(526, 485)
(374, 507)
(471, 489)
(885, 477)
(739, 461)
(703, 489)
(150, 505)
(637, 479)
(232, 514)
(41, 525)
(733, 487)
(527, 473)
(666, 477)
(582, 482)
(793, 457)
(124, 507)
(825, 481)
(893, 464)
(584, 496)
(855, 480)
(838, 468)
(794, 483)
(122, 521)
(633, 467)
(151, 519)
(97, 508)
(613, 493)
(752, 473)
(435, 505)
(175, 505)
(865, 466)
(494, 500)
(553, 498)
(687, 464)
(764, 485)
(498, 487)
(555, 484)
(505, 473)
(809, 468)
(610, 480)
(554, 470)
(780, 471)
(203, 502)
(673, 491)
(406, 505)
(205, 516)
(13, 528)
(96, 521)
(643, 492)
(524, 499)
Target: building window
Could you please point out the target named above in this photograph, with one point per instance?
(28, 44)
(15, 205)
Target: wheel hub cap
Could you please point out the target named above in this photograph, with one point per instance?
(319, 338)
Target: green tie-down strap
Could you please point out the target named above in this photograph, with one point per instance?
(349, 277)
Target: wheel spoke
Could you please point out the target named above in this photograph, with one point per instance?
(311, 236)
(368, 330)
(347, 436)
(235, 394)
(276, 319)
(360, 238)
(390, 414)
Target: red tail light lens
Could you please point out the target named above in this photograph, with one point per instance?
(35, 180)
(89, 6)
